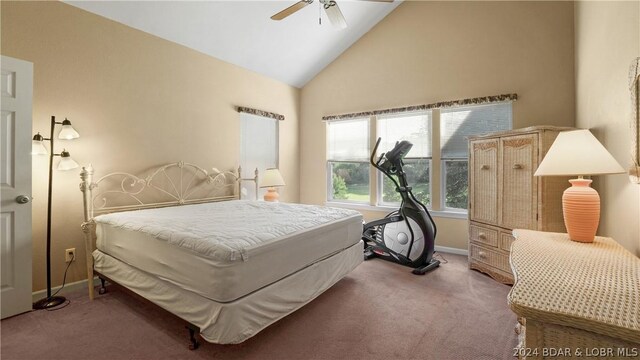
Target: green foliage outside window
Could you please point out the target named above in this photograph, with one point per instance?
(350, 181)
(456, 184)
(339, 187)
(418, 177)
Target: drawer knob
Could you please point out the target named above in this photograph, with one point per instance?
(484, 167)
(482, 254)
(482, 236)
(517, 166)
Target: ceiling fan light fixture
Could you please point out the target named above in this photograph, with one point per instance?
(330, 7)
(334, 14)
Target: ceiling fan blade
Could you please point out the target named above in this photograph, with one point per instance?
(291, 9)
(335, 15)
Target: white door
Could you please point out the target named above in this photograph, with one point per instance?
(15, 182)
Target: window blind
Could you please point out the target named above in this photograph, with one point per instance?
(415, 128)
(258, 148)
(348, 140)
(456, 124)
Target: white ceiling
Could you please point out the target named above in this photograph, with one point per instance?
(292, 50)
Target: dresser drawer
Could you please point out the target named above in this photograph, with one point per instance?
(483, 235)
(505, 241)
(490, 257)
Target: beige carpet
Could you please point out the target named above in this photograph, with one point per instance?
(380, 311)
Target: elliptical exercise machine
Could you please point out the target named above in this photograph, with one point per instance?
(405, 236)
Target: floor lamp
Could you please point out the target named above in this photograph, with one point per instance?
(66, 163)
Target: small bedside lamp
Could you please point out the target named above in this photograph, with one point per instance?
(579, 153)
(271, 179)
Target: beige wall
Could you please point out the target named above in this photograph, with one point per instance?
(607, 38)
(138, 101)
(425, 52)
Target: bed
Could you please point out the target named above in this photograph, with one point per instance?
(183, 239)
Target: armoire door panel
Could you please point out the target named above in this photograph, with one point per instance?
(484, 164)
(519, 186)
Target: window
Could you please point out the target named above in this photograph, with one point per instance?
(258, 149)
(348, 160)
(430, 171)
(415, 128)
(456, 124)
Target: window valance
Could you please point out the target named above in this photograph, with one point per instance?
(437, 105)
(262, 113)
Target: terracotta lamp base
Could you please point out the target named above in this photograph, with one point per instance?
(271, 195)
(581, 210)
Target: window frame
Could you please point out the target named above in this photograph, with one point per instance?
(443, 160)
(379, 200)
(329, 170)
(437, 177)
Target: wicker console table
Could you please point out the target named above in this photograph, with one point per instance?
(575, 299)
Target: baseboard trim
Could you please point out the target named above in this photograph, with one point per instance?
(450, 250)
(82, 284)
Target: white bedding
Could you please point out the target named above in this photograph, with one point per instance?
(224, 251)
(229, 230)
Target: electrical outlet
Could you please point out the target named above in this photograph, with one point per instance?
(69, 254)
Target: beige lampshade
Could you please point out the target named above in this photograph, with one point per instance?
(578, 153)
(272, 178)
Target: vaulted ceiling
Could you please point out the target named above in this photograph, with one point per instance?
(292, 50)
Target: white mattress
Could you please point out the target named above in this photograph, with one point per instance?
(224, 251)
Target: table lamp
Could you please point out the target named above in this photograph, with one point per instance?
(271, 179)
(579, 153)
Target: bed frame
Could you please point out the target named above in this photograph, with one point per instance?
(216, 321)
(168, 185)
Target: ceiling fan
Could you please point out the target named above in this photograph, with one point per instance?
(330, 7)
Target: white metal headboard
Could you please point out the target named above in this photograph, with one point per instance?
(168, 185)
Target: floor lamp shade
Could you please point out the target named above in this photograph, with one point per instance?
(66, 162)
(37, 146)
(67, 132)
(579, 153)
(272, 179)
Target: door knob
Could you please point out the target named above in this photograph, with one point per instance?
(23, 199)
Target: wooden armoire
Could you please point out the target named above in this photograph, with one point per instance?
(504, 195)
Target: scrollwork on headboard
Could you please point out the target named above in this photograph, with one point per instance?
(169, 185)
